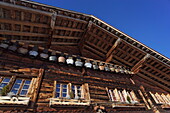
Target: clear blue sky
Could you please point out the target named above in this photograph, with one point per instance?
(148, 21)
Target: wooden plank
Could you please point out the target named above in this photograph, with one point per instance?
(37, 87)
(160, 79)
(24, 23)
(7, 32)
(94, 50)
(68, 29)
(65, 37)
(97, 47)
(137, 66)
(54, 89)
(113, 47)
(156, 83)
(84, 38)
(63, 43)
(22, 8)
(157, 70)
(38, 25)
(122, 60)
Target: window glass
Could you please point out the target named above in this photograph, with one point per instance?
(61, 91)
(4, 82)
(16, 86)
(25, 87)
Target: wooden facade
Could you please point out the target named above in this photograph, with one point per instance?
(56, 60)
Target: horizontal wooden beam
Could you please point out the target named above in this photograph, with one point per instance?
(66, 37)
(94, 50)
(29, 41)
(122, 60)
(157, 70)
(97, 47)
(22, 8)
(2, 20)
(156, 83)
(137, 66)
(26, 23)
(68, 29)
(62, 43)
(153, 76)
(17, 33)
(100, 38)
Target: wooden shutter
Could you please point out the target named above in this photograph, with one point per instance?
(86, 91)
(32, 87)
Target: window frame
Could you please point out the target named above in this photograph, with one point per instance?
(12, 81)
(120, 96)
(77, 92)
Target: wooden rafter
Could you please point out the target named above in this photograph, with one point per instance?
(83, 39)
(52, 25)
(22, 8)
(153, 76)
(137, 66)
(66, 37)
(162, 73)
(151, 80)
(17, 33)
(37, 25)
(110, 52)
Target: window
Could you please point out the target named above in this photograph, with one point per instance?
(122, 96)
(70, 94)
(4, 82)
(20, 86)
(68, 91)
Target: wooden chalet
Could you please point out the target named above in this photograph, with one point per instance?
(53, 60)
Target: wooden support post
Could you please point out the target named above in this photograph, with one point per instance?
(83, 39)
(137, 66)
(52, 25)
(37, 87)
(110, 52)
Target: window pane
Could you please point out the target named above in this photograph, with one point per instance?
(16, 86)
(64, 90)
(57, 94)
(6, 80)
(27, 82)
(23, 92)
(58, 90)
(18, 81)
(14, 91)
(64, 95)
(25, 86)
(64, 86)
(58, 85)
(3, 85)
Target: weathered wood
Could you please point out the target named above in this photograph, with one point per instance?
(37, 87)
(84, 38)
(156, 83)
(112, 49)
(137, 66)
(7, 32)
(22, 8)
